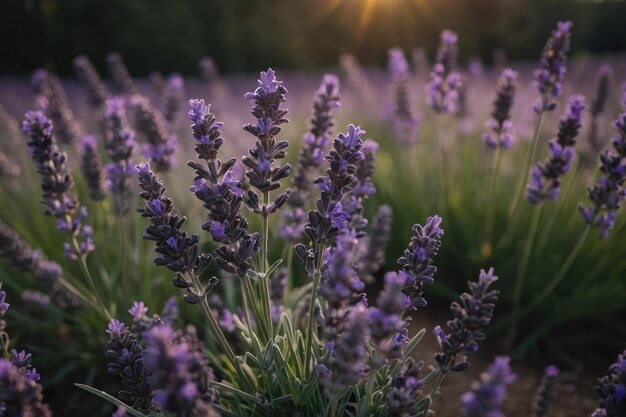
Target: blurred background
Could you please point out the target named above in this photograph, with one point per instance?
(248, 35)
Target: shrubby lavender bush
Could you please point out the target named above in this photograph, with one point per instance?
(285, 337)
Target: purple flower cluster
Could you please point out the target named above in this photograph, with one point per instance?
(604, 80)
(56, 183)
(545, 178)
(21, 255)
(96, 90)
(52, 100)
(119, 144)
(150, 123)
(376, 244)
(500, 126)
(340, 285)
(608, 193)
(488, 394)
(20, 391)
(221, 194)
(549, 78)
(442, 92)
(120, 74)
(406, 389)
(128, 363)
(546, 391)
(262, 173)
(175, 250)
(611, 389)
(474, 312)
(405, 122)
(91, 166)
(416, 262)
(387, 326)
(329, 219)
(179, 371)
(171, 93)
(363, 187)
(315, 141)
(349, 353)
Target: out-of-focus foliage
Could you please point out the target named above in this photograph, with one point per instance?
(245, 35)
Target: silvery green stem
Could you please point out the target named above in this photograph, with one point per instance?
(317, 275)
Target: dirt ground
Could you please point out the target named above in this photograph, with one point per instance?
(574, 395)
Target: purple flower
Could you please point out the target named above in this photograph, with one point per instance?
(500, 125)
(220, 193)
(604, 80)
(471, 314)
(88, 75)
(405, 122)
(376, 244)
(442, 92)
(21, 396)
(56, 181)
(4, 307)
(546, 176)
(545, 393)
(608, 193)
(611, 389)
(151, 124)
(406, 389)
(417, 260)
(120, 74)
(128, 363)
(488, 394)
(263, 172)
(91, 166)
(549, 77)
(349, 353)
(119, 144)
(179, 371)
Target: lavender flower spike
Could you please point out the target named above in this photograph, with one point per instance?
(180, 373)
(549, 78)
(91, 166)
(262, 172)
(151, 124)
(221, 194)
(417, 260)
(488, 394)
(611, 389)
(545, 393)
(56, 183)
(604, 80)
(350, 352)
(474, 312)
(120, 74)
(546, 177)
(500, 127)
(88, 75)
(119, 144)
(405, 122)
(128, 363)
(442, 92)
(608, 193)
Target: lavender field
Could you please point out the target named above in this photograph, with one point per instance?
(337, 241)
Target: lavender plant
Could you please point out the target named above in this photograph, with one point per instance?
(405, 122)
(341, 351)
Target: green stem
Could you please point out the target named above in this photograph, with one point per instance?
(249, 300)
(217, 333)
(290, 284)
(519, 191)
(491, 206)
(82, 258)
(521, 272)
(317, 275)
(561, 273)
(265, 280)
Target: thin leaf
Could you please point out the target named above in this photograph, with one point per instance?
(111, 399)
